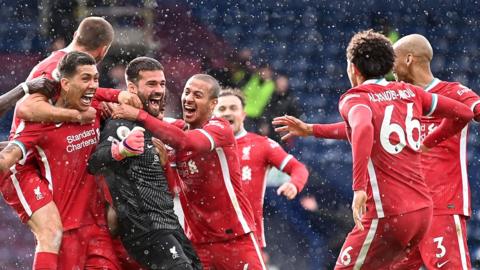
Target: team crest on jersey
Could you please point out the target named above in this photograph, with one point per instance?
(192, 167)
(38, 193)
(246, 173)
(174, 252)
(246, 152)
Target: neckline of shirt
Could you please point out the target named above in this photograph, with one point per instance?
(432, 84)
(241, 133)
(380, 81)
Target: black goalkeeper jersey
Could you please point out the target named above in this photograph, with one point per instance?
(138, 185)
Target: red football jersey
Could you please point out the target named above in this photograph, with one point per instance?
(396, 183)
(257, 155)
(445, 166)
(211, 193)
(61, 151)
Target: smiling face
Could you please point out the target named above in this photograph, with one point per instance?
(80, 88)
(230, 108)
(150, 88)
(197, 103)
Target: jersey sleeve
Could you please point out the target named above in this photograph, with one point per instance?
(287, 163)
(468, 97)
(276, 155)
(27, 137)
(351, 101)
(218, 132)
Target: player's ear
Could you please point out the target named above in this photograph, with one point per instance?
(213, 104)
(409, 59)
(132, 88)
(65, 84)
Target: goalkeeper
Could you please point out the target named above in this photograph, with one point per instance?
(126, 156)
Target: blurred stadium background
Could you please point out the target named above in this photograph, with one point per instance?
(304, 40)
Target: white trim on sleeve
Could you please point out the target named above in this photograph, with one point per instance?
(285, 162)
(434, 105)
(22, 148)
(375, 189)
(209, 137)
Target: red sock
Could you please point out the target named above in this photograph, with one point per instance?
(45, 261)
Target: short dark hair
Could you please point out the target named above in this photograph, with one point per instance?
(214, 85)
(233, 92)
(67, 67)
(372, 53)
(141, 64)
(94, 32)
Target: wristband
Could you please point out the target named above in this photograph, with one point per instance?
(25, 88)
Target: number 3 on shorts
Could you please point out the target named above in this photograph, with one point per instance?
(345, 257)
(441, 247)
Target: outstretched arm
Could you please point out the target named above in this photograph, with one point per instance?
(38, 85)
(36, 108)
(192, 140)
(456, 115)
(296, 127)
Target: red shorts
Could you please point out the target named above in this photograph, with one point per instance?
(88, 247)
(26, 192)
(384, 240)
(126, 261)
(444, 246)
(238, 253)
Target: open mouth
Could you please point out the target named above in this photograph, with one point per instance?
(189, 110)
(155, 102)
(87, 99)
(230, 120)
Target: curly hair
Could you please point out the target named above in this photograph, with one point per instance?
(372, 53)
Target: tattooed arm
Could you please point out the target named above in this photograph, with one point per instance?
(9, 156)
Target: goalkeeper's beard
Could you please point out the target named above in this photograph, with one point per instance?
(146, 105)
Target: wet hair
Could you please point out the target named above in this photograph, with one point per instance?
(372, 53)
(138, 64)
(233, 92)
(214, 85)
(94, 32)
(67, 67)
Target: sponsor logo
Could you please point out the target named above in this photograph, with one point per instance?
(440, 265)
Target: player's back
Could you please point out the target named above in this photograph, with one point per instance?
(212, 197)
(47, 66)
(445, 166)
(394, 168)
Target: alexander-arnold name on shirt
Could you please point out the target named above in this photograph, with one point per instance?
(86, 138)
(390, 95)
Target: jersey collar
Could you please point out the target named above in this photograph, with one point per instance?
(241, 133)
(380, 81)
(432, 84)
